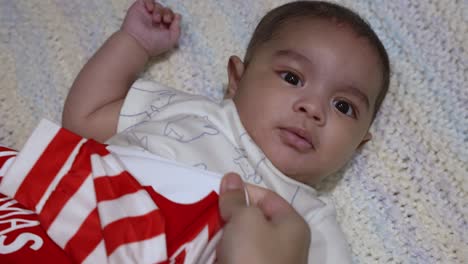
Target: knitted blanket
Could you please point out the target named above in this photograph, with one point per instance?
(403, 198)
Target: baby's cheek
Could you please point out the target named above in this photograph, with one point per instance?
(338, 154)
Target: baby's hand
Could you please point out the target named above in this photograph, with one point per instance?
(154, 26)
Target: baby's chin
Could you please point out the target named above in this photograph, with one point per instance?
(306, 177)
(303, 170)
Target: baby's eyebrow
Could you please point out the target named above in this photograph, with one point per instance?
(292, 54)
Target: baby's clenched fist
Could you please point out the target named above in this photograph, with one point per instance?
(155, 27)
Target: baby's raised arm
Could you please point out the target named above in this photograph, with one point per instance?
(93, 104)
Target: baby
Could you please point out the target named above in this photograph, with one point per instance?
(296, 108)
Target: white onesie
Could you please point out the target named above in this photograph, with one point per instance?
(198, 132)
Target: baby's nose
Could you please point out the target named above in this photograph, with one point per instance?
(312, 109)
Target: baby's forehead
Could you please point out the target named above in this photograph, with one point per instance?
(310, 33)
(316, 24)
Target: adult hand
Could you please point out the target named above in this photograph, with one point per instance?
(269, 230)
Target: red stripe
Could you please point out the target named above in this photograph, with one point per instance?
(186, 221)
(98, 148)
(133, 229)
(5, 149)
(110, 188)
(86, 239)
(71, 182)
(46, 168)
(180, 259)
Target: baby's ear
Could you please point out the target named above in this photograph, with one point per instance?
(366, 139)
(235, 70)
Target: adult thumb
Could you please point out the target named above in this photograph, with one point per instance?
(232, 195)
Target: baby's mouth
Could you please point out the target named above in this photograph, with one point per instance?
(297, 138)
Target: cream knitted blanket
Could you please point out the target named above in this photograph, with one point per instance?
(404, 198)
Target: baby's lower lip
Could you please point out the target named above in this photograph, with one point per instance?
(295, 141)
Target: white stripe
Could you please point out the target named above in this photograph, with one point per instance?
(65, 168)
(8, 153)
(32, 150)
(134, 204)
(73, 214)
(98, 255)
(209, 252)
(8, 205)
(106, 166)
(147, 251)
(6, 166)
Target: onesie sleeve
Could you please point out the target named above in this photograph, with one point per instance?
(144, 99)
(328, 243)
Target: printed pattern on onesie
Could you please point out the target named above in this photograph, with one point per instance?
(186, 128)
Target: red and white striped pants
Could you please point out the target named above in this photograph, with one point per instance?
(95, 211)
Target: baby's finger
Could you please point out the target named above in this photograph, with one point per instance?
(168, 15)
(149, 5)
(158, 13)
(157, 17)
(175, 27)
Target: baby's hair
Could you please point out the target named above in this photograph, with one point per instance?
(273, 20)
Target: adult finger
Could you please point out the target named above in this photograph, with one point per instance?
(232, 196)
(274, 206)
(285, 217)
(271, 204)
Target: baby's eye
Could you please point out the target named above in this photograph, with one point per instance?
(344, 107)
(291, 78)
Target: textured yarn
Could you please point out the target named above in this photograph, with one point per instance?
(403, 198)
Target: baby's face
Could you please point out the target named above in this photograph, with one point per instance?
(307, 97)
